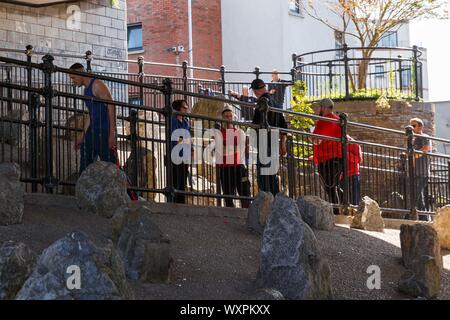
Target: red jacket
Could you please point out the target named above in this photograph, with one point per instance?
(326, 149)
(354, 157)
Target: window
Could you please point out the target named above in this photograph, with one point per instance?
(379, 71)
(389, 40)
(406, 78)
(135, 37)
(294, 6)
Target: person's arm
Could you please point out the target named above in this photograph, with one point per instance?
(424, 146)
(101, 91)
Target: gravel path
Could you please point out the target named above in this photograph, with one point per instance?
(217, 258)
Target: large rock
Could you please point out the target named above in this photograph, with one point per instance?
(422, 257)
(210, 108)
(102, 274)
(258, 211)
(317, 213)
(13, 133)
(368, 217)
(441, 223)
(102, 188)
(291, 261)
(11, 194)
(16, 264)
(147, 171)
(146, 252)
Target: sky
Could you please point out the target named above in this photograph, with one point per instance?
(435, 36)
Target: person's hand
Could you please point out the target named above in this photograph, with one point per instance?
(111, 141)
(78, 142)
(272, 91)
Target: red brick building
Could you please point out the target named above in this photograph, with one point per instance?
(155, 26)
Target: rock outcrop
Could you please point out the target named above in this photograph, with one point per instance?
(291, 261)
(258, 211)
(368, 217)
(317, 213)
(11, 194)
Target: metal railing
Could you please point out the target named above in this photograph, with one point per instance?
(40, 119)
(361, 73)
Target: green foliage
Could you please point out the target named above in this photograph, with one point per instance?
(300, 103)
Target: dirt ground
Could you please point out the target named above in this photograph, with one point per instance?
(217, 258)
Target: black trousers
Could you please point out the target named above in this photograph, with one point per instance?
(232, 179)
(179, 178)
(330, 172)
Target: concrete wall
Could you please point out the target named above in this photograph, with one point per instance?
(443, 125)
(100, 28)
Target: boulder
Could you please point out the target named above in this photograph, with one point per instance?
(102, 274)
(13, 133)
(258, 211)
(101, 189)
(16, 264)
(74, 123)
(147, 170)
(210, 108)
(422, 257)
(268, 294)
(441, 223)
(368, 217)
(291, 261)
(144, 249)
(317, 213)
(11, 194)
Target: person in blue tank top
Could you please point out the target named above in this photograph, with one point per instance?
(99, 138)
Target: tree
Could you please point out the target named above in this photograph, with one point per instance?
(369, 20)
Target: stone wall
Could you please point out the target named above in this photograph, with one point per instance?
(97, 27)
(396, 117)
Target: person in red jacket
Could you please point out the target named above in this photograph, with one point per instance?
(354, 160)
(233, 172)
(328, 153)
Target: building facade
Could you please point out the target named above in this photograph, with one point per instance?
(158, 30)
(69, 28)
(265, 33)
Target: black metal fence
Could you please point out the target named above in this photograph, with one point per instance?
(41, 116)
(348, 73)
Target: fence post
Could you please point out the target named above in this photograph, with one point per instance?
(88, 58)
(400, 73)
(33, 110)
(134, 145)
(412, 187)
(291, 167)
(9, 91)
(222, 79)
(344, 141)
(185, 76)
(141, 79)
(49, 182)
(257, 72)
(330, 75)
(167, 91)
(448, 179)
(416, 72)
(346, 72)
(404, 178)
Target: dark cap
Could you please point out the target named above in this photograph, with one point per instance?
(257, 84)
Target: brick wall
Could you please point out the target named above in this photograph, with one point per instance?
(102, 30)
(165, 25)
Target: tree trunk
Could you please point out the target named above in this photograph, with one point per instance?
(363, 68)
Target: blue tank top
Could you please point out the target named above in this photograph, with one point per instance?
(98, 111)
